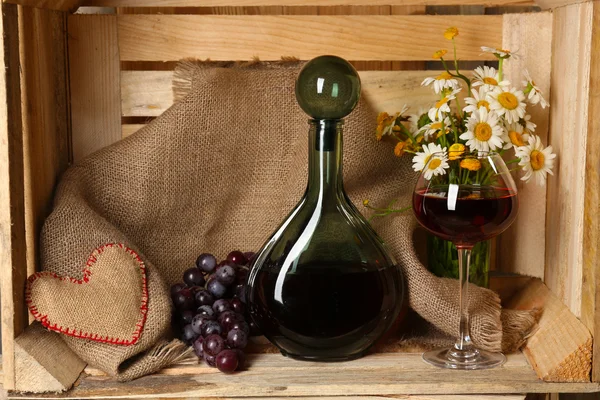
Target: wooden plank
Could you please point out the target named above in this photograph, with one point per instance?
(560, 350)
(216, 3)
(45, 115)
(590, 291)
(149, 93)
(523, 244)
(568, 136)
(172, 37)
(44, 362)
(13, 271)
(552, 4)
(94, 81)
(63, 5)
(271, 375)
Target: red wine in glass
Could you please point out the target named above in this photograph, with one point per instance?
(473, 199)
(477, 213)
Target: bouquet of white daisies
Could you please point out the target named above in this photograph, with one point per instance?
(493, 117)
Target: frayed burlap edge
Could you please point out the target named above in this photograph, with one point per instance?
(185, 70)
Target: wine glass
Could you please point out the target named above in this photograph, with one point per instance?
(465, 198)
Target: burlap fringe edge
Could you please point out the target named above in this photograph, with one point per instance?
(517, 327)
(184, 72)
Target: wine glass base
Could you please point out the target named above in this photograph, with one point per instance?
(455, 359)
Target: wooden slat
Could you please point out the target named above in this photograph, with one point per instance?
(590, 291)
(560, 350)
(13, 270)
(172, 37)
(45, 115)
(217, 3)
(271, 375)
(64, 5)
(523, 246)
(571, 51)
(94, 77)
(149, 93)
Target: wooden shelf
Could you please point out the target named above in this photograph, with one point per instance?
(271, 375)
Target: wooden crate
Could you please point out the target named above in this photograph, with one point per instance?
(76, 83)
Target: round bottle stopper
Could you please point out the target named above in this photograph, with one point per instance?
(328, 87)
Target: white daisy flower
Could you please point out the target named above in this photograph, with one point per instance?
(434, 129)
(510, 103)
(442, 106)
(534, 94)
(441, 82)
(489, 78)
(529, 126)
(434, 157)
(536, 160)
(500, 53)
(478, 100)
(483, 131)
(413, 120)
(514, 136)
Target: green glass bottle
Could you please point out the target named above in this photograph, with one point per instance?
(324, 287)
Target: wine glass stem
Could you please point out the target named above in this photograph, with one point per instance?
(464, 261)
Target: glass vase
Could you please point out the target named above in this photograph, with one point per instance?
(442, 260)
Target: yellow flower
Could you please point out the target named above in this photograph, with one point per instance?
(384, 120)
(471, 164)
(365, 202)
(455, 151)
(451, 33)
(399, 149)
(439, 54)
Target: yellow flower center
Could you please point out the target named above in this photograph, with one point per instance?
(483, 103)
(537, 160)
(426, 160)
(436, 126)
(441, 102)
(490, 81)
(439, 54)
(456, 151)
(471, 164)
(436, 162)
(508, 100)
(516, 138)
(483, 131)
(444, 75)
(503, 51)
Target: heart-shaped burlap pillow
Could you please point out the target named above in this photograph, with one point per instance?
(109, 304)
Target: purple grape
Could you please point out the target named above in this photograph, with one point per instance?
(199, 321)
(237, 339)
(186, 317)
(227, 318)
(176, 288)
(240, 292)
(203, 298)
(206, 262)
(213, 345)
(242, 325)
(216, 288)
(241, 276)
(225, 274)
(227, 361)
(210, 360)
(183, 300)
(237, 257)
(188, 334)
(206, 310)
(254, 330)
(195, 289)
(237, 305)
(198, 343)
(211, 328)
(221, 305)
(241, 359)
(250, 255)
(193, 277)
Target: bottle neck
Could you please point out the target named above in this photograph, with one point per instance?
(325, 157)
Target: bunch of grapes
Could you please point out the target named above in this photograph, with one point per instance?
(210, 309)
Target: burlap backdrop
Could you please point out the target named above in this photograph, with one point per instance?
(219, 171)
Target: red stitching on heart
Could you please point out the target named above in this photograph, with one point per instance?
(86, 277)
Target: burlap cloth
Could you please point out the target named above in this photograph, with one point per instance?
(218, 171)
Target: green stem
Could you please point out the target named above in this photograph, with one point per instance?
(500, 70)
